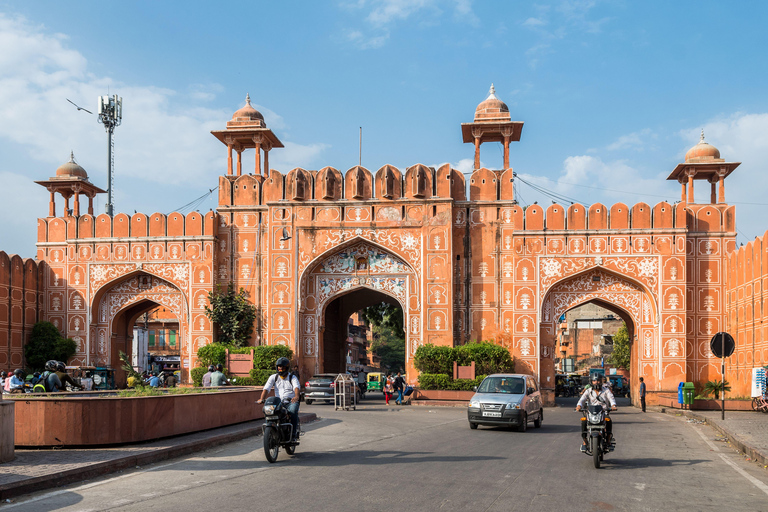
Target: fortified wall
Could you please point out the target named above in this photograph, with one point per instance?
(313, 246)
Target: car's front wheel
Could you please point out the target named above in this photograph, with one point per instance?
(473, 426)
(308, 401)
(523, 423)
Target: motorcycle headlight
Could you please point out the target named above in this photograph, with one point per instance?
(269, 410)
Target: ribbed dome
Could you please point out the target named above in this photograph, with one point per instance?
(492, 109)
(248, 113)
(71, 169)
(702, 152)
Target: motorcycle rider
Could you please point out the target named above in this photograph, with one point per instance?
(597, 394)
(286, 388)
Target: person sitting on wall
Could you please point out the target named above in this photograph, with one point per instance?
(170, 380)
(154, 381)
(218, 378)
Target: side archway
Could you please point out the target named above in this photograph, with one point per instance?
(620, 294)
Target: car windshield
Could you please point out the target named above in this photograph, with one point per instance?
(507, 385)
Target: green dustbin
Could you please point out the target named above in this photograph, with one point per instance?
(689, 391)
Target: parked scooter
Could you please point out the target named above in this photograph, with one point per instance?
(598, 443)
(278, 430)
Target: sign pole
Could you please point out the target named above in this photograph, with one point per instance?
(722, 375)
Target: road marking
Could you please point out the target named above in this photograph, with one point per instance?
(640, 487)
(757, 483)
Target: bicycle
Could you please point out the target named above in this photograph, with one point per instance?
(759, 403)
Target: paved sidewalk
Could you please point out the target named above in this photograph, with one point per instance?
(746, 430)
(39, 469)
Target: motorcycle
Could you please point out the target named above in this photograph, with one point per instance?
(278, 430)
(598, 443)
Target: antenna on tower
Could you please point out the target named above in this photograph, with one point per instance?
(110, 115)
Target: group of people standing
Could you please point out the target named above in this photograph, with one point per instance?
(394, 385)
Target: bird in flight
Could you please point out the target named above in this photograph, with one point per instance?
(79, 107)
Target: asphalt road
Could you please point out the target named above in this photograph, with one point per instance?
(417, 458)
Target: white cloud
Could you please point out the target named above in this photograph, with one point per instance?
(636, 140)
(534, 22)
(164, 152)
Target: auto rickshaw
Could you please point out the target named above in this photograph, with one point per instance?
(375, 380)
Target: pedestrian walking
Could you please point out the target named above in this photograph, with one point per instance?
(388, 389)
(642, 394)
(398, 385)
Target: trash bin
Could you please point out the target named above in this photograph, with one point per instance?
(689, 391)
(680, 393)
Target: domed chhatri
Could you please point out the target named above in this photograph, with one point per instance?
(703, 152)
(71, 169)
(248, 113)
(492, 109)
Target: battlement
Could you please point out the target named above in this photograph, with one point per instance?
(138, 225)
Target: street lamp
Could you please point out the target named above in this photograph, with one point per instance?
(110, 115)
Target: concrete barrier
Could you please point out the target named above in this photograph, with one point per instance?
(87, 419)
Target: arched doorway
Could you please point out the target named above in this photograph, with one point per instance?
(334, 337)
(346, 279)
(627, 298)
(116, 307)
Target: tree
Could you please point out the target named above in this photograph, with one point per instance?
(713, 387)
(621, 348)
(46, 343)
(389, 347)
(233, 314)
(385, 315)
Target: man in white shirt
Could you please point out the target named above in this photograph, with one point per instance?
(597, 395)
(286, 388)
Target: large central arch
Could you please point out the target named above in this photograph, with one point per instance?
(630, 299)
(370, 272)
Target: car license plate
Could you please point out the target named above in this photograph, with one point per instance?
(492, 414)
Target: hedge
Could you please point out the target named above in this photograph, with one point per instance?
(264, 356)
(488, 357)
(197, 375)
(434, 381)
(260, 376)
(243, 381)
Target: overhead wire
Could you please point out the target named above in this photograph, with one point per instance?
(195, 203)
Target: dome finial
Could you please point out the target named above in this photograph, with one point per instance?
(71, 156)
(492, 92)
(247, 99)
(702, 136)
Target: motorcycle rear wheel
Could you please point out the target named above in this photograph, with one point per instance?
(596, 452)
(271, 444)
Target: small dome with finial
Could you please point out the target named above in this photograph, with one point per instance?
(492, 109)
(702, 152)
(71, 169)
(248, 113)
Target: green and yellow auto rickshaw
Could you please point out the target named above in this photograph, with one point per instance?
(375, 382)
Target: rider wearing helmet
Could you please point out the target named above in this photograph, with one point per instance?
(597, 394)
(207, 376)
(64, 377)
(17, 381)
(286, 387)
(50, 379)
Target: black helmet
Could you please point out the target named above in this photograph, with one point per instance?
(17, 372)
(211, 368)
(61, 367)
(51, 365)
(285, 364)
(219, 367)
(596, 377)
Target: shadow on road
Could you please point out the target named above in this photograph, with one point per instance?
(649, 463)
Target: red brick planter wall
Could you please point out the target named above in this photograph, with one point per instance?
(86, 419)
(443, 394)
(707, 404)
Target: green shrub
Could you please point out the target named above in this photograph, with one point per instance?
(46, 343)
(216, 353)
(260, 377)
(265, 356)
(429, 381)
(243, 381)
(488, 357)
(432, 359)
(197, 375)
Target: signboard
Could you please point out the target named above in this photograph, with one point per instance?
(716, 345)
(758, 382)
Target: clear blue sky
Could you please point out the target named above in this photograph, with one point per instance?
(612, 93)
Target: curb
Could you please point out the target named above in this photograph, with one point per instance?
(41, 483)
(750, 451)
